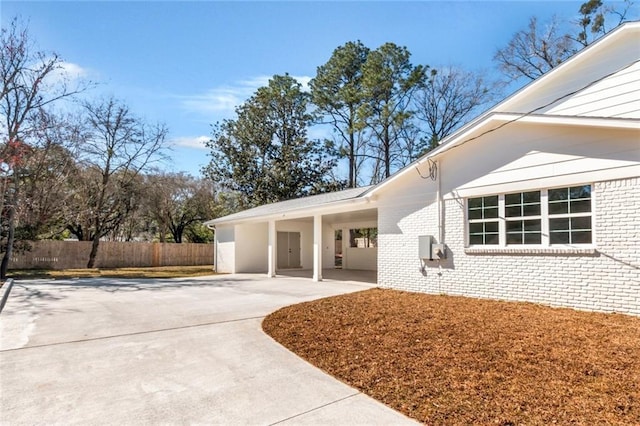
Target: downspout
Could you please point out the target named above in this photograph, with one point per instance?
(215, 247)
(440, 222)
(440, 203)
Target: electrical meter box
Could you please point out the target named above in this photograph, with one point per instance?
(429, 250)
(438, 251)
(425, 243)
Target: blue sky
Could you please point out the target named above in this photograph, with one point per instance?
(188, 64)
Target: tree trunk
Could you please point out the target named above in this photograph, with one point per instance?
(387, 153)
(4, 266)
(94, 251)
(352, 154)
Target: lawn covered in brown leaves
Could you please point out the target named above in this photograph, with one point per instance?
(455, 360)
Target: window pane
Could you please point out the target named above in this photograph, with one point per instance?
(475, 214)
(532, 225)
(491, 226)
(476, 228)
(535, 238)
(581, 223)
(491, 201)
(513, 211)
(514, 238)
(559, 237)
(559, 224)
(475, 203)
(559, 208)
(531, 210)
(491, 213)
(492, 239)
(510, 199)
(580, 192)
(531, 197)
(583, 206)
(581, 237)
(475, 239)
(514, 226)
(558, 194)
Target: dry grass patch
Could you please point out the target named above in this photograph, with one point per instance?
(157, 272)
(455, 360)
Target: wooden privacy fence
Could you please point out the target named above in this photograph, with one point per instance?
(111, 254)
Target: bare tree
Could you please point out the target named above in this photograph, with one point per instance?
(46, 170)
(534, 51)
(177, 201)
(118, 148)
(448, 98)
(27, 87)
(541, 47)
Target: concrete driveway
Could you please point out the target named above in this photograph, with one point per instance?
(107, 351)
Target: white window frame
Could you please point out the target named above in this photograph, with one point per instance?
(539, 217)
(544, 221)
(484, 220)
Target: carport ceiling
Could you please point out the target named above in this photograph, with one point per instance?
(352, 216)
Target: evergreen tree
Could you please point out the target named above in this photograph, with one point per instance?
(264, 155)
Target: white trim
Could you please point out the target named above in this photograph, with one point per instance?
(271, 249)
(532, 250)
(317, 247)
(352, 204)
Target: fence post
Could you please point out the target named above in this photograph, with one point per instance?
(156, 255)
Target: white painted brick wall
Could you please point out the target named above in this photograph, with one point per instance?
(607, 281)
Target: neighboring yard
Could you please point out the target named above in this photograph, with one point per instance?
(454, 360)
(156, 272)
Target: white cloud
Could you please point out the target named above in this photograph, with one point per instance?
(221, 101)
(67, 72)
(304, 80)
(191, 141)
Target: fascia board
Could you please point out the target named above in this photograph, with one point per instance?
(603, 122)
(352, 204)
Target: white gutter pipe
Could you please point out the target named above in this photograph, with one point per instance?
(215, 247)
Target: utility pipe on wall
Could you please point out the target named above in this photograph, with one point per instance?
(439, 202)
(215, 247)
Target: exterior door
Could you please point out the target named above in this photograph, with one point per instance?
(294, 250)
(288, 250)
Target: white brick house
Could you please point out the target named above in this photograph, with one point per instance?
(536, 200)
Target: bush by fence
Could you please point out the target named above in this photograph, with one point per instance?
(111, 254)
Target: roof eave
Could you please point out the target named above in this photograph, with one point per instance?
(298, 213)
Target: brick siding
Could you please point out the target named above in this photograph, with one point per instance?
(606, 279)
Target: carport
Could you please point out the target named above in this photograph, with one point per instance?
(307, 235)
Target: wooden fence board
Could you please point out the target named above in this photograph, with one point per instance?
(111, 254)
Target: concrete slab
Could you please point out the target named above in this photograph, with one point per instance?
(332, 274)
(166, 351)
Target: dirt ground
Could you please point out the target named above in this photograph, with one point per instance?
(455, 360)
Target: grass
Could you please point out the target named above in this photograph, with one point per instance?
(157, 272)
(446, 360)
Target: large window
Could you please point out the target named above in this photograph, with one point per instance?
(546, 217)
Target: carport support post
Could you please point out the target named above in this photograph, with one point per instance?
(317, 248)
(271, 255)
